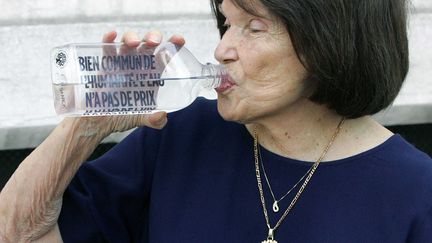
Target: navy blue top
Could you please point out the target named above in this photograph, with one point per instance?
(194, 181)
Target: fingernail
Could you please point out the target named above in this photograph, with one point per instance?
(110, 35)
(134, 42)
(155, 38)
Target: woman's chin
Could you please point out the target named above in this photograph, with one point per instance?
(226, 109)
(230, 111)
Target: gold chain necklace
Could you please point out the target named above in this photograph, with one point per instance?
(270, 237)
(277, 201)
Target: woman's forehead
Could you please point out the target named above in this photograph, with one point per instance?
(251, 7)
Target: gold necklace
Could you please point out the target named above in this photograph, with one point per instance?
(276, 201)
(270, 237)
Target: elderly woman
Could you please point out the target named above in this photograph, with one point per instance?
(287, 153)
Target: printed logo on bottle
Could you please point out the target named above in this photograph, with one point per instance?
(61, 59)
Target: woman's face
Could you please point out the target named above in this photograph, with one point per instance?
(267, 76)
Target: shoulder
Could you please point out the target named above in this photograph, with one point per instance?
(398, 152)
(406, 168)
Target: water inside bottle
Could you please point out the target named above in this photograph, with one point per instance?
(125, 98)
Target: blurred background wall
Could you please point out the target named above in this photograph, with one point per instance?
(29, 29)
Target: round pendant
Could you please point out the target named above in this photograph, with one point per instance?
(275, 207)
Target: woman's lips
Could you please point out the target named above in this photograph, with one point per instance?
(226, 84)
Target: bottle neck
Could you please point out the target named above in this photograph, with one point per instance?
(213, 75)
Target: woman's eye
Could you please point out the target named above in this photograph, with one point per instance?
(226, 25)
(256, 26)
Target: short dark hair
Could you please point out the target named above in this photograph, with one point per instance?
(355, 51)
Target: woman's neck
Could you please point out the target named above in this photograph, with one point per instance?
(303, 133)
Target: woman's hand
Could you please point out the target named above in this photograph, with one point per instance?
(109, 124)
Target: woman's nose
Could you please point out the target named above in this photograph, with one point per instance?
(226, 50)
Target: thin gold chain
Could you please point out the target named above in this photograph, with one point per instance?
(301, 189)
(268, 181)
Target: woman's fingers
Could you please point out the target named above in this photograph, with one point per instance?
(123, 123)
(131, 39)
(109, 38)
(177, 39)
(153, 38)
(157, 120)
(131, 42)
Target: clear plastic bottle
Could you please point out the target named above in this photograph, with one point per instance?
(113, 79)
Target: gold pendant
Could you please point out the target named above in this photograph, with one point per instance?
(269, 241)
(270, 238)
(275, 207)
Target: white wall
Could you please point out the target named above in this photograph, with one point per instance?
(29, 29)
